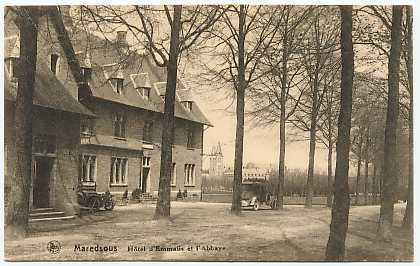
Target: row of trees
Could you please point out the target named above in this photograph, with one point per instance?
(295, 181)
(284, 62)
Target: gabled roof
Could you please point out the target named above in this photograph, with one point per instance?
(133, 69)
(49, 92)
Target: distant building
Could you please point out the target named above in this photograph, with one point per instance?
(250, 173)
(216, 161)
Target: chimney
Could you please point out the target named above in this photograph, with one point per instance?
(122, 38)
(67, 19)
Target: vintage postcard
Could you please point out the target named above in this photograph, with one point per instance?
(235, 132)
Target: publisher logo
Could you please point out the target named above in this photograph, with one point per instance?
(54, 247)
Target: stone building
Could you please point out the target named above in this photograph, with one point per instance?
(56, 125)
(116, 130)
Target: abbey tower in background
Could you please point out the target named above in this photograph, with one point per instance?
(216, 161)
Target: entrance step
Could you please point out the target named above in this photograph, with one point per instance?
(40, 210)
(47, 214)
(50, 218)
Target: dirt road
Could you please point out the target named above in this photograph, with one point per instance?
(206, 231)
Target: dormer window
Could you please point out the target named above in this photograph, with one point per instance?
(54, 63)
(12, 67)
(87, 126)
(87, 73)
(144, 93)
(142, 84)
(117, 84)
(187, 105)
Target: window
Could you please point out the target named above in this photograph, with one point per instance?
(144, 93)
(148, 131)
(119, 170)
(117, 84)
(88, 168)
(12, 67)
(173, 175)
(190, 139)
(146, 162)
(87, 74)
(54, 63)
(189, 174)
(87, 126)
(120, 121)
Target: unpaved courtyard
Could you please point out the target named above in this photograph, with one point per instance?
(207, 232)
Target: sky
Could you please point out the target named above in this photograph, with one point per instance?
(261, 145)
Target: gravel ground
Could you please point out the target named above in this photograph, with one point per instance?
(199, 231)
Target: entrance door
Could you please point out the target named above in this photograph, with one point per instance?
(41, 188)
(144, 177)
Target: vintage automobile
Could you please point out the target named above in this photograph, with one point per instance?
(257, 193)
(93, 201)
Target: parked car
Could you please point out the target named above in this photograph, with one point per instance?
(257, 193)
(94, 201)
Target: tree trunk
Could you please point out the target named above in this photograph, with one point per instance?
(330, 149)
(282, 152)
(408, 216)
(312, 133)
(240, 114)
(310, 180)
(374, 185)
(366, 183)
(163, 206)
(340, 211)
(390, 171)
(330, 190)
(366, 188)
(359, 165)
(18, 212)
(312, 143)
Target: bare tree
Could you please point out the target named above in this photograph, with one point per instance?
(163, 206)
(408, 58)
(366, 155)
(357, 149)
(317, 52)
(278, 94)
(243, 35)
(390, 168)
(340, 211)
(327, 126)
(377, 35)
(18, 208)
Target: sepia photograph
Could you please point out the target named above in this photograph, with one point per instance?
(208, 133)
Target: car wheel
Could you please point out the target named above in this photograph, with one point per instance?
(256, 205)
